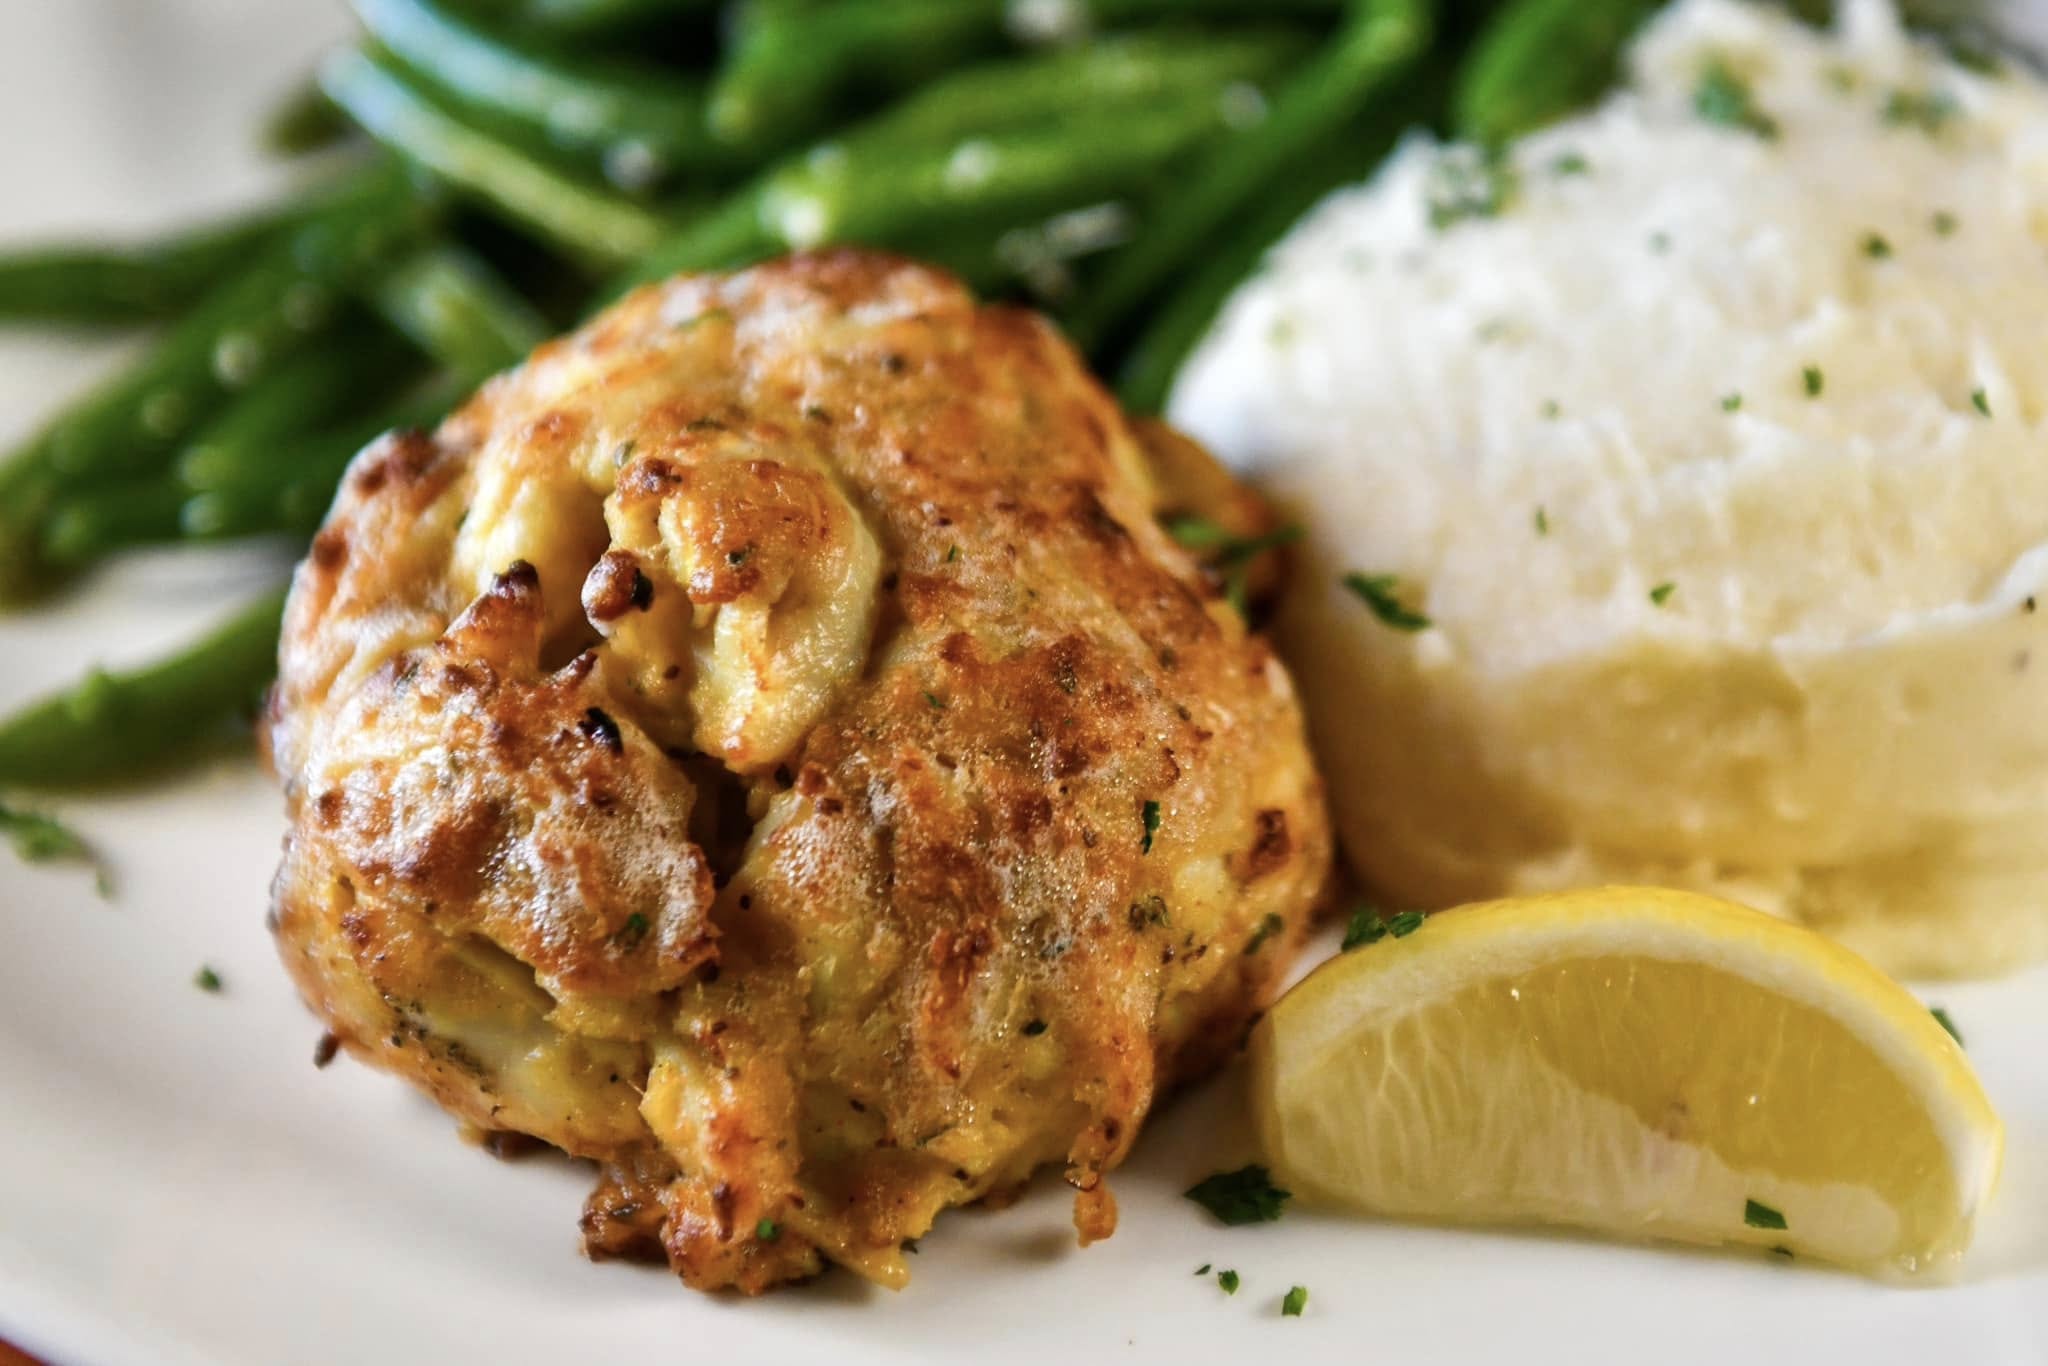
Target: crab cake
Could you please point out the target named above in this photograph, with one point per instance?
(767, 745)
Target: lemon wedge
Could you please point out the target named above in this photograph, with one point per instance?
(1636, 1062)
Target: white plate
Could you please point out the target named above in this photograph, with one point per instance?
(177, 1182)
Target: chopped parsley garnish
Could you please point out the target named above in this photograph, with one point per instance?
(1876, 247)
(1245, 1196)
(1202, 1270)
(1367, 926)
(1469, 182)
(1980, 402)
(1268, 927)
(952, 553)
(1927, 110)
(934, 701)
(1228, 1280)
(1813, 379)
(1551, 408)
(1941, 1018)
(633, 931)
(1148, 815)
(206, 979)
(1944, 223)
(1199, 533)
(1725, 98)
(40, 839)
(1379, 592)
(1780, 1250)
(1293, 1302)
(1542, 521)
(767, 1230)
(1228, 552)
(1662, 593)
(736, 558)
(1731, 403)
(1570, 163)
(1757, 1214)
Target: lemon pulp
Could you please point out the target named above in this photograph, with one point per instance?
(1635, 1062)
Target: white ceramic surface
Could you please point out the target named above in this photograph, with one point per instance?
(178, 1184)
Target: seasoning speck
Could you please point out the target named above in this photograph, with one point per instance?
(1813, 380)
(1662, 593)
(206, 979)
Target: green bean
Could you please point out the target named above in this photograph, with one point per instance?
(786, 72)
(1110, 78)
(590, 225)
(121, 284)
(457, 309)
(116, 725)
(1293, 186)
(1538, 60)
(1380, 40)
(635, 125)
(572, 18)
(727, 237)
(313, 388)
(885, 195)
(130, 425)
(238, 332)
(291, 496)
(95, 522)
(874, 194)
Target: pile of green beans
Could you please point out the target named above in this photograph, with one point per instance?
(1122, 164)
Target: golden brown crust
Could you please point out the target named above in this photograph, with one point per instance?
(727, 750)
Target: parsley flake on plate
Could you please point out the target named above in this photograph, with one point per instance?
(1293, 1302)
(1227, 1279)
(1148, 815)
(1245, 1196)
(1381, 592)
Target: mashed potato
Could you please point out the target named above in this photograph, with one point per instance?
(1696, 458)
